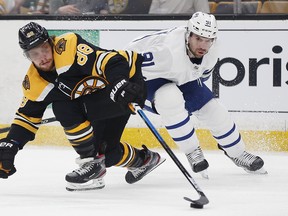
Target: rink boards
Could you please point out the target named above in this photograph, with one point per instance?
(255, 140)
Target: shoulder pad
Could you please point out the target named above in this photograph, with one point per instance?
(64, 51)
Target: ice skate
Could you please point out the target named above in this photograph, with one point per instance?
(250, 163)
(151, 161)
(198, 163)
(89, 176)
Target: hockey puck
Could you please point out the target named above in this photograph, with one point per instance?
(197, 206)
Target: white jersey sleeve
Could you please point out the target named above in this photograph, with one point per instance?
(166, 56)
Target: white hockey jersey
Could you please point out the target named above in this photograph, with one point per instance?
(166, 56)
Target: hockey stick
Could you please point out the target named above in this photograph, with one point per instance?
(203, 200)
(44, 121)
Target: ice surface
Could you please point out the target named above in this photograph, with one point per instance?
(38, 188)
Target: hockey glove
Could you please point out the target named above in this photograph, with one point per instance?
(125, 92)
(8, 150)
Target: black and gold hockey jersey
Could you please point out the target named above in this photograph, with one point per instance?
(80, 69)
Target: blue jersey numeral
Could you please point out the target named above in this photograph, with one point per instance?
(148, 59)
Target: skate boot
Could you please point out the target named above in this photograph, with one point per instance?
(89, 176)
(197, 162)
(250, 163)
(151, 161)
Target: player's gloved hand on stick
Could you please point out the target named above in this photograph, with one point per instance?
(8, 150)
(125, 93)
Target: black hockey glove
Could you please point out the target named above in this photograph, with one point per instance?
(125, 92)
(8, 150)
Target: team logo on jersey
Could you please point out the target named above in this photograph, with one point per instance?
(87, 86)
(60, 46)
(26, 83)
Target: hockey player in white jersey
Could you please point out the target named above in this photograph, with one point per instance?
(177, 63)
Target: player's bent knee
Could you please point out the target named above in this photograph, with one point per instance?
(215, 116)
(169, 100)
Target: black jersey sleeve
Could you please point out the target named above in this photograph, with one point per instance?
(27, 121)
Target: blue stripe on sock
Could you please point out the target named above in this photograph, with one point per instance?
(232, 144)
(227, 134)
(178, 124)
(184, 137)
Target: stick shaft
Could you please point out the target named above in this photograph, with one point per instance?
(44, 121)
(169, 151)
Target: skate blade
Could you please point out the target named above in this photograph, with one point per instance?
(204, 174)
(261, 171)
(134, 180)
(162, 160)
(93, 184)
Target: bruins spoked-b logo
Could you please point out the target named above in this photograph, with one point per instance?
(87, 86)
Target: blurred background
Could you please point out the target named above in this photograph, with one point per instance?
(144, 7)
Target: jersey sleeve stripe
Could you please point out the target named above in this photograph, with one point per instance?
(45, 92)
(31, 120)
(25, 125)
(133, 64)
(63, 69)
(29, 123)
(131, 58)
(100, 56)
(105, 60)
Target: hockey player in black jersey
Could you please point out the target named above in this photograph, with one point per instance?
(90, 90)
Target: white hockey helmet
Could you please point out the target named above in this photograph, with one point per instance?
(203, 24)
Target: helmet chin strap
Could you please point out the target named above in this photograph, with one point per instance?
(189, 53)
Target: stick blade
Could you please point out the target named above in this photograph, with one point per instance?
(198, 203)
